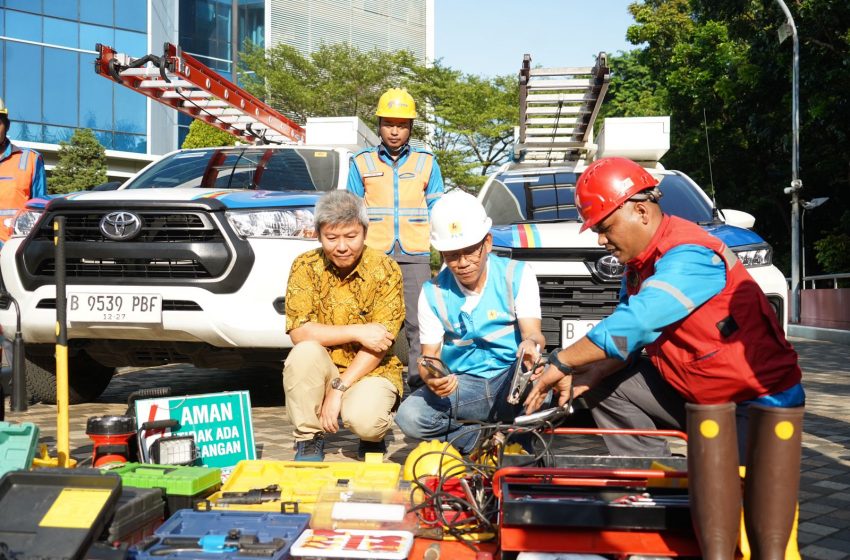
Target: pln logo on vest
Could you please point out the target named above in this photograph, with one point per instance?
(493, 314)
(455, 229)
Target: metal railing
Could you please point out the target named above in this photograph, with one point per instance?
(811, 282)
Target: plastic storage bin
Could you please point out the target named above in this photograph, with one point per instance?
(17, 445)
(183, 486)
(55, 513)
(138, 513)
(188, 529)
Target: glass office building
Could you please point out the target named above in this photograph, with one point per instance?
(47, 50)
(48, 80)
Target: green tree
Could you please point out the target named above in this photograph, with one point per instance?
(472, 119)
(81, 166)
(203, 135)
(722, 59)
(335, 80)
(466, 120)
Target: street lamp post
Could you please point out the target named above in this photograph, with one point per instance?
(790, 28)
(810, 205)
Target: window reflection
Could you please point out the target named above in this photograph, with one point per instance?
(60, 97)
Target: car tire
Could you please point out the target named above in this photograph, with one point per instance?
(87, 379)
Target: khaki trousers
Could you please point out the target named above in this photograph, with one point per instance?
(367, 406)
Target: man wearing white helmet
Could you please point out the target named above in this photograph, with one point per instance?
(479, 316)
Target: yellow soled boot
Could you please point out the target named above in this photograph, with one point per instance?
(713, 480)
(773, 478)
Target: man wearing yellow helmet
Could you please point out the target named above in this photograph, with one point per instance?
(21, 176)
(399, 184)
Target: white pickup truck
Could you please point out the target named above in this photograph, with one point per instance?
(186, 262)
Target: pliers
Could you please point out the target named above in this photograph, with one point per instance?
(521, 378)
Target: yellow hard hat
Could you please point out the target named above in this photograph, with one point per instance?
(433, 458)
(396, 103)
(3, 109)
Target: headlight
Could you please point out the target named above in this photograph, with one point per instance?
(273, 224)
(25, 221)
(755, 255)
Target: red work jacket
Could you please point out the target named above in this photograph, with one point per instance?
(729, 349)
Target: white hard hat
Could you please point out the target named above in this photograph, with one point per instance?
(457, 221)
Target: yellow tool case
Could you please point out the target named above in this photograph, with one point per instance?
(286, 485)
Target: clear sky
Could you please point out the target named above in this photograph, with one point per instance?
(489, 37)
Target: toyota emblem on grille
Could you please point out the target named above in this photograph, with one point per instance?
(120, 226)
(609, 268)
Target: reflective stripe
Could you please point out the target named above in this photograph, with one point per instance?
(22, 163)
(380, 211)
(460, 342)
(673, 291)
(730, 257)
(622, 345)
(509, 277)
(497, 334)
(441, 308)
(412, 211)
(433, 196)
(420, 163)
(370, 163)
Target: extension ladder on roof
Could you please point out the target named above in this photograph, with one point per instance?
(557, 109)
(180, 81)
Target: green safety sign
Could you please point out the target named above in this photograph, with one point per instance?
(219, 422)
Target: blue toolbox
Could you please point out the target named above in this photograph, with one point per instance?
(223, 535)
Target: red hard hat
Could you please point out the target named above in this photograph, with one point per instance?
(606, 184)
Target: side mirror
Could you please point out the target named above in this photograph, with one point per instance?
(738, 218)
(110, 186)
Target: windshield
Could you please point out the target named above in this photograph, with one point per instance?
(513, 198)
(249, 167)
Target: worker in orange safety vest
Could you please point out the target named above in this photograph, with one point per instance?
(21, 176)
(400, 184)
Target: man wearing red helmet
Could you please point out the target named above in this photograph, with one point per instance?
(712, 341)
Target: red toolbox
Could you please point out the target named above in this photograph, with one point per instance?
(611, 509)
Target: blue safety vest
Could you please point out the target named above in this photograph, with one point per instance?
(485, 341)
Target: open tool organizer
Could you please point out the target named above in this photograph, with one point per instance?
(224, 535)
(609, 509)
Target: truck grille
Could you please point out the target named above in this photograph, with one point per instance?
(177, 244)
(126, 268)
(573, 297)
(161, 227)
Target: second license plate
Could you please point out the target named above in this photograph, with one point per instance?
(572, 330)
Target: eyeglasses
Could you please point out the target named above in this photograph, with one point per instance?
(472, 254)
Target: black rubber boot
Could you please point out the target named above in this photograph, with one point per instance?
(773, 478)
(713, 478)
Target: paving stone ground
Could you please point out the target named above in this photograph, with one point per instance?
(824, 530)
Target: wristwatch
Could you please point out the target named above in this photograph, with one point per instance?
(554, 361)
(338, 384)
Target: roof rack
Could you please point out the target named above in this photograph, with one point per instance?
(558, 107)
(180, 81)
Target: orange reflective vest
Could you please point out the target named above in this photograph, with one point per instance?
(16, 178)
(396, 201)
(731, 348)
